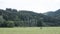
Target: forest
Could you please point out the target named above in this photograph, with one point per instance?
(24, 18)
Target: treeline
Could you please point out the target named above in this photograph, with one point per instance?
(23, 18)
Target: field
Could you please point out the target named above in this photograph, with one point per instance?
(30, 30)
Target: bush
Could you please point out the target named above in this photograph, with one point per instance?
(7, 24)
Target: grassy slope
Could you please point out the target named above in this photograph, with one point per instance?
(30, 30)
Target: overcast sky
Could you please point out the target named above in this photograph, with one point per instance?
(39, 6)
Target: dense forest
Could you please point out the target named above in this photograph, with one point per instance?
(23, 18)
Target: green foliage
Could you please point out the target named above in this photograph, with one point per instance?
(10, 23)
(13, 18)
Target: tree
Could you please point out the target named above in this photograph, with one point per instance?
(9, 24)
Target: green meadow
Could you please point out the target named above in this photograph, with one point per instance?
(30, 30)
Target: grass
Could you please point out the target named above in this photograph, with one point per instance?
(30, 30)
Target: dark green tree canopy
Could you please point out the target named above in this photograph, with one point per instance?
(24, 18)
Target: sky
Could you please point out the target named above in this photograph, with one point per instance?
(39, 6)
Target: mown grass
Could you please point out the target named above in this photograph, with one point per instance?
(30, 30)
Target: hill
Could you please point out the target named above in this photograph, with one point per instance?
(24, 18)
